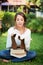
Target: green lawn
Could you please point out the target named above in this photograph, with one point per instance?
(36, 44)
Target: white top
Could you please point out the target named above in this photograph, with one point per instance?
(26, 36)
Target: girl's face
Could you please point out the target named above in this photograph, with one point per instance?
(19, 21)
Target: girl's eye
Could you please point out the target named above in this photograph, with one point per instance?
(17, 19)
(21, 19)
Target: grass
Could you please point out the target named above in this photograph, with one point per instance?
(36, 44)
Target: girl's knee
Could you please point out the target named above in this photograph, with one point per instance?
(34, 54)
(3, 52)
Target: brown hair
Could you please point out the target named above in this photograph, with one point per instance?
(22, 14)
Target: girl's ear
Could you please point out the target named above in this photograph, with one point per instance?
(24, 24)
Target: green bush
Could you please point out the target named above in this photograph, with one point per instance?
(40, 27)
(1, 14)
(32, 15)
(35, 24)
(7, 20)
(29, 17)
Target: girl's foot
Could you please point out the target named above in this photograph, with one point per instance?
(4, 60)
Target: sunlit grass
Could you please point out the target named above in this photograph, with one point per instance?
(36, 44)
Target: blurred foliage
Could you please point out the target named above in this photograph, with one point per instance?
(7, 20)
(34, 23)
(1, 14)
(20, 9)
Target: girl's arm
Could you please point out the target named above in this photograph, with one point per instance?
(27, 40)
(9, 42)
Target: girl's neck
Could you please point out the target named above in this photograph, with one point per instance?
(20, 28)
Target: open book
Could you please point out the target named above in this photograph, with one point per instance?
(17, 53)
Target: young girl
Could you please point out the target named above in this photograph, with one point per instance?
(20, 30)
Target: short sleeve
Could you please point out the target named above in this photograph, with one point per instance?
(28, 40)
